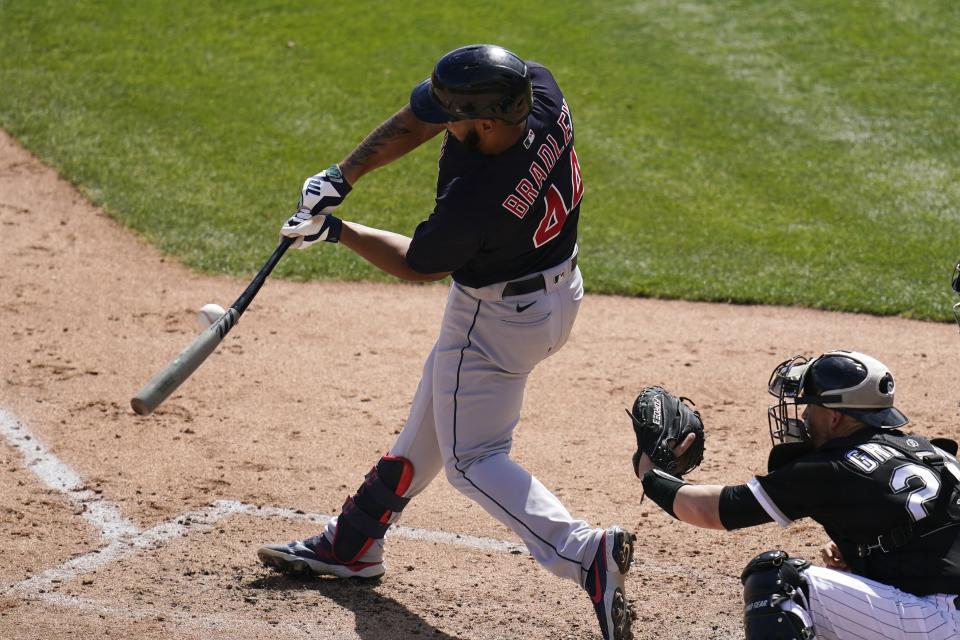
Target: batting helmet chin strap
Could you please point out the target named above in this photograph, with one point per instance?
(775, 596)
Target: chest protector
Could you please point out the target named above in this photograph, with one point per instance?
(937, 470)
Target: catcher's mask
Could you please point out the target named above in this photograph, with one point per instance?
(956, 287)
(847, 381)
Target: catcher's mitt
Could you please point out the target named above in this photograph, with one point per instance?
(661, 421)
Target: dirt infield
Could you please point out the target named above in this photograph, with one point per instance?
(119, 526)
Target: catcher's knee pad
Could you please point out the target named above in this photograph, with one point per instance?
(368, 513)
(775, 596)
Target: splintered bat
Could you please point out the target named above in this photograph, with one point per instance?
(182, 367)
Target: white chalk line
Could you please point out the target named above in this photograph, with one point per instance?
(59, 477)
(205, 519)
(124, 539)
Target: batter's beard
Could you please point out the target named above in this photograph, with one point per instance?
(471, 142)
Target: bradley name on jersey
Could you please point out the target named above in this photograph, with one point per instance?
(526, 191)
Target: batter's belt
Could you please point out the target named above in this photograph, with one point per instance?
(547, 280)
(534, 283)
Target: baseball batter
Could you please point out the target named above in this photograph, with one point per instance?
(888, 500)
(508, 196)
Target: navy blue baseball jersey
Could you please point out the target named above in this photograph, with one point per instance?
(499, 217)
(873, 485)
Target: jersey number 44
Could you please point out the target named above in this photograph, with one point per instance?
(557, 211)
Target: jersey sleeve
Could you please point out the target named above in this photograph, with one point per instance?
(798, 490)
(739, 508)
(445, 241)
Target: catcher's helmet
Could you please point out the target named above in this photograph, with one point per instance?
(476, 81)
(847, 381)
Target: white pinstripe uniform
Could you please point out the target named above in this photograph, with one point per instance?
(846, 606)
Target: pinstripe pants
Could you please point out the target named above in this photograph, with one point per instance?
(846, 606)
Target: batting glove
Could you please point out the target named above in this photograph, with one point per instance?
(323, 192)
(307, 229)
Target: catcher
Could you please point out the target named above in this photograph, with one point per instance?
(888, 500)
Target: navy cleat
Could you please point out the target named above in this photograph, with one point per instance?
(314, 556)
(605, 583)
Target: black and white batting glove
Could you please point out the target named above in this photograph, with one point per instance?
(306, 229)
(312, 222)
(323, 192)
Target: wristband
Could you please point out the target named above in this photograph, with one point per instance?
(662, 489)
(336, 175)
(335, 226)
(329, 230)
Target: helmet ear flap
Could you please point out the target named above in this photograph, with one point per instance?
(504, 105)
(521, 105)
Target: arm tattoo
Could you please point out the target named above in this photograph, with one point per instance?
(377, 140)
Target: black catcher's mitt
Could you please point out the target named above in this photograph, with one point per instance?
(661, 421)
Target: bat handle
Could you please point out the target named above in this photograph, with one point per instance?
(242, 302)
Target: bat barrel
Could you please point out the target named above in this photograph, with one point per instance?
(174, 374)
(182, 367)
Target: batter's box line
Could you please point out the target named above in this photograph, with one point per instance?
(206, 519)
(56, 475)
(125, 539)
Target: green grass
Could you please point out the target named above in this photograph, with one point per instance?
(800, 152)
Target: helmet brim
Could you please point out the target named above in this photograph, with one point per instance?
(425, 106)
(889, 418)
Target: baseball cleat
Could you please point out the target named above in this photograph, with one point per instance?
(605, 583)
(314, 556)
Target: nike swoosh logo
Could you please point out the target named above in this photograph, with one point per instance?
(523, 307)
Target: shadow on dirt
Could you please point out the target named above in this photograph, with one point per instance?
(378, 617)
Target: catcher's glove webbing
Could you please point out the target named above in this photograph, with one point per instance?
(661, 421)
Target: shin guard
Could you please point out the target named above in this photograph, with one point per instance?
(775, 596)
(366, 515)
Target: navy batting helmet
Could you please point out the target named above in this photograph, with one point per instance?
(476, 81)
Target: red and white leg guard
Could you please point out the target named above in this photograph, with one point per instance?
(367, 514)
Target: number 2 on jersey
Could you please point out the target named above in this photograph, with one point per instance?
(557, 211)
(928, 490)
